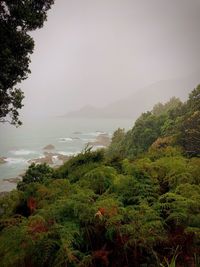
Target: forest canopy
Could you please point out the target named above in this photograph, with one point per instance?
(136, 203)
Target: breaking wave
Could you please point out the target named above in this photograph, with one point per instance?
(65, 139)
(16, 161)
(22, 152)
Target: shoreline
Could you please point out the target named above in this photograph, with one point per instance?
(50, 157)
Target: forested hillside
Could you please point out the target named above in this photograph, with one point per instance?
(136, 203)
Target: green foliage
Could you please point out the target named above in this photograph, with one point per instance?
(14, 242)
(172, 104)
(78, 166)
(99, 179)
(190, 134)
(36, 173)
(9, 202)
(173, 209)
(173, 120)
(172, 262)
(164, 147)
(132, 191)
(116, 148)
(145, 131)
(131, 205)
(189, 126)
(193, 102)
(162, 120)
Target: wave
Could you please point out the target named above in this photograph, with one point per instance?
(65, 153)
(65, 139)
(15, 160)
(94, 133)
(22, 152)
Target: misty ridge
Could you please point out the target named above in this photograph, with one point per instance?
(141, 101)
(98, 52)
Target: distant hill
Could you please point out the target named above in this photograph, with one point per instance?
(141, 101)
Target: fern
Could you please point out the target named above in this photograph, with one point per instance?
(172, 262)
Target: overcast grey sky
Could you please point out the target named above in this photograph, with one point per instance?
(97, 51)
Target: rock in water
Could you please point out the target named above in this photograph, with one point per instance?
(101, 140)
(49, 147)
(49, 158)
(2, 160)
(13, 180)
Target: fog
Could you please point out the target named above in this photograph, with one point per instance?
(99, 51)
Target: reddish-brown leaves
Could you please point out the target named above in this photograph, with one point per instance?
(112, 211)
(37, 227)
(102, 256)
(31, 204)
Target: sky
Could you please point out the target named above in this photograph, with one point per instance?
(98, 51)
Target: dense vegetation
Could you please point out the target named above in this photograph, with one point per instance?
(134, 204)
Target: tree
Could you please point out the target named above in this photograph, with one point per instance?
(172, 104)
(190, 134)
(194, 99)
(190, 127)
(17, 19)
(35, 174)
(146, 130)
(116, 148)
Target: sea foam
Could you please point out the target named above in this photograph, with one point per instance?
(65, 139)
(97, 133)
(65, 153)
(22, 152)
(15, 160)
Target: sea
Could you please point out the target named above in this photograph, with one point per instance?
(69, 136)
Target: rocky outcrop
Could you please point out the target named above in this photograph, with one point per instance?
(42, 160)
(49, 147)
(64, 158)
(50, 159)
(2, 160)
(13, 180)
(101, 140)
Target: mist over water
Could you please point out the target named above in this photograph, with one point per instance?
(68, 136)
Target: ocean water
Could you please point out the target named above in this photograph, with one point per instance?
(69, 136)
